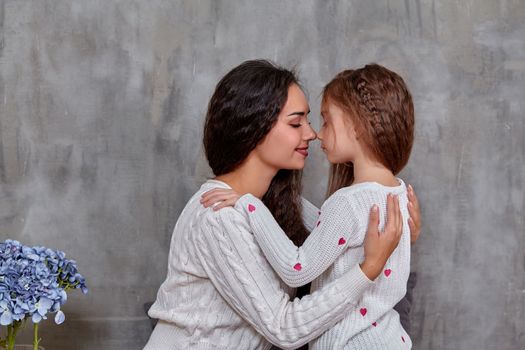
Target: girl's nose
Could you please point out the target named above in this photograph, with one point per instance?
(320, 134)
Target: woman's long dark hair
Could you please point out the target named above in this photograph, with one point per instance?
(242, 111)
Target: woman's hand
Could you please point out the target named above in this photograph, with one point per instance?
(414, 222)
(219, 198)
(380, 245)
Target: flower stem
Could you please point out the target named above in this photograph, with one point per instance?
(35, 336)
(10, 340)
(12, 329)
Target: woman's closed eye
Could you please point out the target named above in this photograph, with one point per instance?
(298, 124)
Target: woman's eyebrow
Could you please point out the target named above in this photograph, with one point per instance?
(299, 113)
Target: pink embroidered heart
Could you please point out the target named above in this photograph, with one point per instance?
(388, 272)
(374, 324)
(251, 208)
(298, 267)
(363, 311)
(403, 339)
(341, 241)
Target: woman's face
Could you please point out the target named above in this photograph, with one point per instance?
(286, 145)
(337, 134)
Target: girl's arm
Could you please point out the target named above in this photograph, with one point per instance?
(333, 233)
(219, 198)
(238, 270)
(310, 214)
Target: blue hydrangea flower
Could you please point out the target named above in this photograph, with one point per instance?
(34, 281)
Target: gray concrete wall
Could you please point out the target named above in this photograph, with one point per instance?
(102, 105)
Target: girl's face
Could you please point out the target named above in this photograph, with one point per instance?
(337, 135)
(286, 145)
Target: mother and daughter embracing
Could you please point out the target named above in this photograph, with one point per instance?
(247, 238)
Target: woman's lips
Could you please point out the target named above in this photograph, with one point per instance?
(303, 151)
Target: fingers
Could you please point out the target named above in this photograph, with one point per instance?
(373, 220)
(215, 191)
(391, 215)
(225, 198)
(412, 198)
(411, 224)
(224, 203)
(219, 195)
(414, 211)
(206, 195)
(211, 198)
(394, 224)
(413, 206)
(399, 217)
(414, 235)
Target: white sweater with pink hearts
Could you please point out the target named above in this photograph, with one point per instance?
(335, 246)
(221, 293)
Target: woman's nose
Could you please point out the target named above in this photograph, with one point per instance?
(310, 133)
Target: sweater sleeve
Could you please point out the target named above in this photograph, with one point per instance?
(336, 229)
(310, 214)
(238, 270)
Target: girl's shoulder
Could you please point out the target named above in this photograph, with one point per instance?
(363, 193)
(341, 198)
(369, 187)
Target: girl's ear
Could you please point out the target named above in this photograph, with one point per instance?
(357, 132)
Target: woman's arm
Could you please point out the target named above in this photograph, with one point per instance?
(237, 268)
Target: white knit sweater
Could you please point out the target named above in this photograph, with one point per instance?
(221, 293)
(334, 247)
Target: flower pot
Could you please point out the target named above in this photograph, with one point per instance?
(26, 347)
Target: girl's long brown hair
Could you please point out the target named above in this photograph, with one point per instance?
(242, 111)
(381, 107)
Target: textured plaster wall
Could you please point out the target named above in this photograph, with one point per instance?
(101, 111)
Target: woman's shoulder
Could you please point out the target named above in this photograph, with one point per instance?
(227, 218)
(194, 211)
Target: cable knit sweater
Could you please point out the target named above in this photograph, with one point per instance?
(221, 293)
(334, 247)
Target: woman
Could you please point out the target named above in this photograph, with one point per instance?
(220, 292)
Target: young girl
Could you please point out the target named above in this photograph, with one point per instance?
(367, 134)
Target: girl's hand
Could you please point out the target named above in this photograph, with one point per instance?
(219, 198)
(379, 246)
(414, 222)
